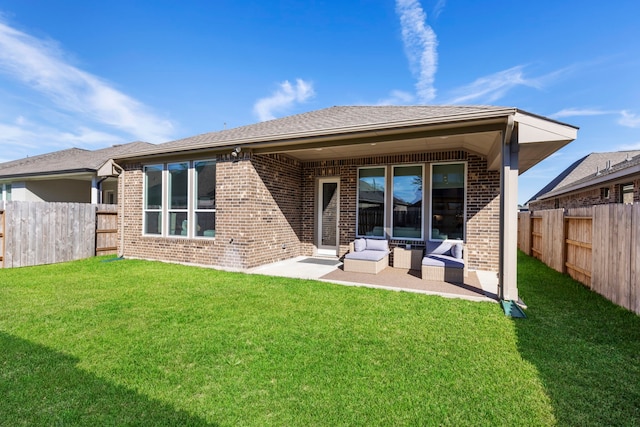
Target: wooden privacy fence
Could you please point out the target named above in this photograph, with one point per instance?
(35, 233)
(598, 246)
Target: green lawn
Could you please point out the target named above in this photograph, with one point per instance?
(143, 343)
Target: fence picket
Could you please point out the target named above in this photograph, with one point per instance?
(599, 247)
(34, 233)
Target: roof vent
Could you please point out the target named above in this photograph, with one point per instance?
(598, 171)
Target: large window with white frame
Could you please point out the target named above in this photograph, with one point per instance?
(205, 198)
(407, 202)
(180, 199)
(371, 201)
(153, 199)
(178, 183)
(448, 201)
(402, 200)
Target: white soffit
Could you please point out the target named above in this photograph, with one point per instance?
(533, 129)
(539, 138)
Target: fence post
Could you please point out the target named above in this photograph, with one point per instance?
(3, 231)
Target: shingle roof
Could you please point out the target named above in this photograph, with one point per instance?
(68, 161)
(595, 166)
(333, 120)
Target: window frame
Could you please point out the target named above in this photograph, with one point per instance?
(165, 210)
(145, 200)
(464, 199)
(392, 198)
(626, 188)
(194, 199)
(177, 211)
(384, 201)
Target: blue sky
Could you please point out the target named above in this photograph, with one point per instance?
(91, 74)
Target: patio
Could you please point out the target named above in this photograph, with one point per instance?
(478, 286)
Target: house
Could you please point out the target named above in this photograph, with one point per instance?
(63, 176)
(596, 179)
(309, 184)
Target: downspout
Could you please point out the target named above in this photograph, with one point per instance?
(99, 188)
(120, 171)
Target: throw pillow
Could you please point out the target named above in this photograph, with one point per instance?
(456, 250)
(359, 245)
(377, 245)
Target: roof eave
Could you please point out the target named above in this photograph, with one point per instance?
(47, 174)
(333, 134)
(598, 180)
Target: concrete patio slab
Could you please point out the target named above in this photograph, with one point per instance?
(478, 286)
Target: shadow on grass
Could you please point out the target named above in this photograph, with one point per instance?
(585, 348)
(43, 387)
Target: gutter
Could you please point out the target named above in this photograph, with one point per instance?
(278, 139)
(48, 174)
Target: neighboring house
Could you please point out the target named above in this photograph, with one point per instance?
(63, 176)
(596, 179)
(309, 184)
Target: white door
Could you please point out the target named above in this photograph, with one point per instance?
(328, 240)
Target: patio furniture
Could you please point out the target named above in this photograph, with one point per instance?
(408, 258)
(367, 256)
(445, 262)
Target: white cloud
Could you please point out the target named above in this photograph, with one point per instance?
(41, 66)
(493, 87)
(420, 45)
(397, 97)
(629, 147)
(25, 136)
(573, 112)
(283, 98)
(438, 8)
(628, 119)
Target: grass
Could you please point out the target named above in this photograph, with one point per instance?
(143, 343)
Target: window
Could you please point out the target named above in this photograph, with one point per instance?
(205, 200)
(371, 201)
(153, 199)
(626, 193)
(178, 190)
(447, 201)
(407, 202)
(180, 199)
(5, 192)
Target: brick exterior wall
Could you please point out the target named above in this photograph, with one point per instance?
(266, 210)
(483, 203)
(588, 197)
(257, 216)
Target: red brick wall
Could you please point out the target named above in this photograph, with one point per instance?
(257, 216)
(266, 210)
(483, 206)
(483, 215)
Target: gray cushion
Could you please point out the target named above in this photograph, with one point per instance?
(377, 245)
(367, 255)
(438, 248)
(359, 245)
(442, 261)
(456, 251)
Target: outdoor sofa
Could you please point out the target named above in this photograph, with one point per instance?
(445, 262)
(367, 256)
